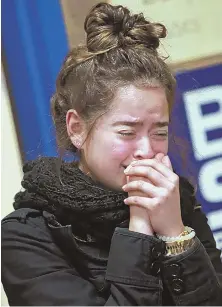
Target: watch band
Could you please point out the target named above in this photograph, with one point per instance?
(187, 234)
(178, 247)
(179, 244)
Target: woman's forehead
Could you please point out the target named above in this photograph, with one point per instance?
(134, 104)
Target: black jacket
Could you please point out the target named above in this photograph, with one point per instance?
(44, 264)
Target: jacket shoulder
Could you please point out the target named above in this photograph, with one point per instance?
(33, 263)
(21, 214)
(26, 222)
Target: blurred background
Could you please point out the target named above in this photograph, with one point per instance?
(37, 34)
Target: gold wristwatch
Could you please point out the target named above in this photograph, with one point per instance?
(178, 247)
(181, 243)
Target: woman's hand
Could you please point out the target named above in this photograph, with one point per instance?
(161, 194)
(140, 221)
(139, 216)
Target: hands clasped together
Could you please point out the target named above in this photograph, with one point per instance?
(153, 197)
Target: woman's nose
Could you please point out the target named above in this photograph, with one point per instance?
(144, 150)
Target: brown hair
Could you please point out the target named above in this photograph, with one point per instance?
(121, 49)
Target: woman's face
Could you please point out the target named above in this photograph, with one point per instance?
(135, 128)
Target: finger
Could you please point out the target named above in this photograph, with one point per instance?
(160, 167)
(149, 172)
(159, 157)
(144, 202)
(166, 161)
(142, 186)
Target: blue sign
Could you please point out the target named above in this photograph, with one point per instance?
(34, 45)
(197, 120)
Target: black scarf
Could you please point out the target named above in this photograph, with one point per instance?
(62, 189)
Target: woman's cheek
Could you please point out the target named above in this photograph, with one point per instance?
(121, 149)
(163, 147)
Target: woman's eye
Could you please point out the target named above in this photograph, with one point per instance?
(126, 133)
(161, 135)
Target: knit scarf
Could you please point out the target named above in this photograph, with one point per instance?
(62, 189)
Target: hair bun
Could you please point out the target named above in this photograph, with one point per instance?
(109, 26)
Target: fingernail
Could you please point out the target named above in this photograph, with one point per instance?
(165, 158)
(133, 163)
(127, 169)
(124, 187)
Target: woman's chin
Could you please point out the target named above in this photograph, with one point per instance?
(117, 187)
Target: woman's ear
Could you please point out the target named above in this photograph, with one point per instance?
(75, 128)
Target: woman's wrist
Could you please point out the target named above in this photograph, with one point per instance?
(140, 221)
(187, 234)
(141, 228)
(173, 231)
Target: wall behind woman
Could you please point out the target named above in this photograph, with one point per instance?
(11, 167)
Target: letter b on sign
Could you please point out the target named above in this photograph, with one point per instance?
(204, 114)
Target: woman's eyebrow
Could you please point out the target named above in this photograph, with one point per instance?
(132, 123)
(140, 123)
(161, 124)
